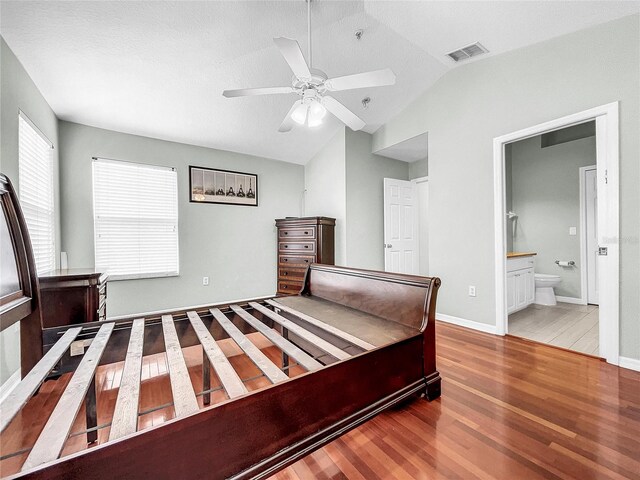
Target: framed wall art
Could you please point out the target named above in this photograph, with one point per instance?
(208, 185)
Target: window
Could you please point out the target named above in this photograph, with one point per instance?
(35, 185)
(135, 219)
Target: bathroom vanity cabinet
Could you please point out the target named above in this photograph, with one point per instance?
(520, 282)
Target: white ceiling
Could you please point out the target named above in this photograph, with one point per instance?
(409, 150)
(158, 68)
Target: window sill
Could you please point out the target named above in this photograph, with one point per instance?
(141, 276)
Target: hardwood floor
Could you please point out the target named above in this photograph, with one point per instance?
(565, 325)
(510, 409)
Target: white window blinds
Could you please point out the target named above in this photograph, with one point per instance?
(35, 185)
(135, 219)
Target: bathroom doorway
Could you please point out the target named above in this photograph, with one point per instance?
(550, 211)
(551, 202)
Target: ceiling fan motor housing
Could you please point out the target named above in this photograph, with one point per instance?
(318, 77)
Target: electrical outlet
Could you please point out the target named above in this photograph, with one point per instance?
(472, 291)
(205, 281)
(573, 231)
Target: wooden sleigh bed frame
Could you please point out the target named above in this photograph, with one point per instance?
(366, 340)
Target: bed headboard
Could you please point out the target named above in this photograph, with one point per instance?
(19, 291)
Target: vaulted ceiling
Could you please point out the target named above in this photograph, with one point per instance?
(158, 68)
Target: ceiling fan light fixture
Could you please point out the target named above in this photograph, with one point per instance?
(317, 111)
(299, 115)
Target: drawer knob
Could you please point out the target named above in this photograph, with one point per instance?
(285, 274)
(306, 246)
(286, 233)
(286, 246)
(306, 233)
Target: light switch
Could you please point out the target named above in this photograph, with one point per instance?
(573, 231)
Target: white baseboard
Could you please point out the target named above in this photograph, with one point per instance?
(630, 363)
(576, 301)
(462, 322)
(8, 386)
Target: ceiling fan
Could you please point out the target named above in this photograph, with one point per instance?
(312, 85)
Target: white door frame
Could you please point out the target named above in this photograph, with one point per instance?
(584, 294)
(607, 156)
(419, 220)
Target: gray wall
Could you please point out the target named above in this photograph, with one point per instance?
(365, 172)
(235, 246)
(17, 91)
(546, 197)
(419, 169)
(325, 185)
(502, 94)
(344, 180)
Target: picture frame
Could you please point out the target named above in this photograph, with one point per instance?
(226, 187)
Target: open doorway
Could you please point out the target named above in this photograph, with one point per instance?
(551, 212)
(406, 213)
(520, 275)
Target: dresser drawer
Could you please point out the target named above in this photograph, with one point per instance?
(288, 286)
(286, 273)
(296, 260)
(297, 247)
(297, 232)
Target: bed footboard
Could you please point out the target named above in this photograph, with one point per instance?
(407, 300)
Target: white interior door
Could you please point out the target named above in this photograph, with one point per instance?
(400, 226)
(591, 231)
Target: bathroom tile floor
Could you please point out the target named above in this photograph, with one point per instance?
(565, 325)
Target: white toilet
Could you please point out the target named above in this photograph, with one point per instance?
(544, 288)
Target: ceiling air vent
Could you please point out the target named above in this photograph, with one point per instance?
(469, 51)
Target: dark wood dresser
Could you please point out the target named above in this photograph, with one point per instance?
(73, 296)
(302, 241)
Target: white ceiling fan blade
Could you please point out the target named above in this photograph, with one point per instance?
(288, 122)
(343, 114)
(245, 92)
(291, 52)
(377, 78)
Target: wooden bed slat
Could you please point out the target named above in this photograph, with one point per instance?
(225, 371)
(273, 373)
(283, 344)
(125, 416)
(321, 343)
(17, 399)
(324, 326)
(54, 434)
(184, 398)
